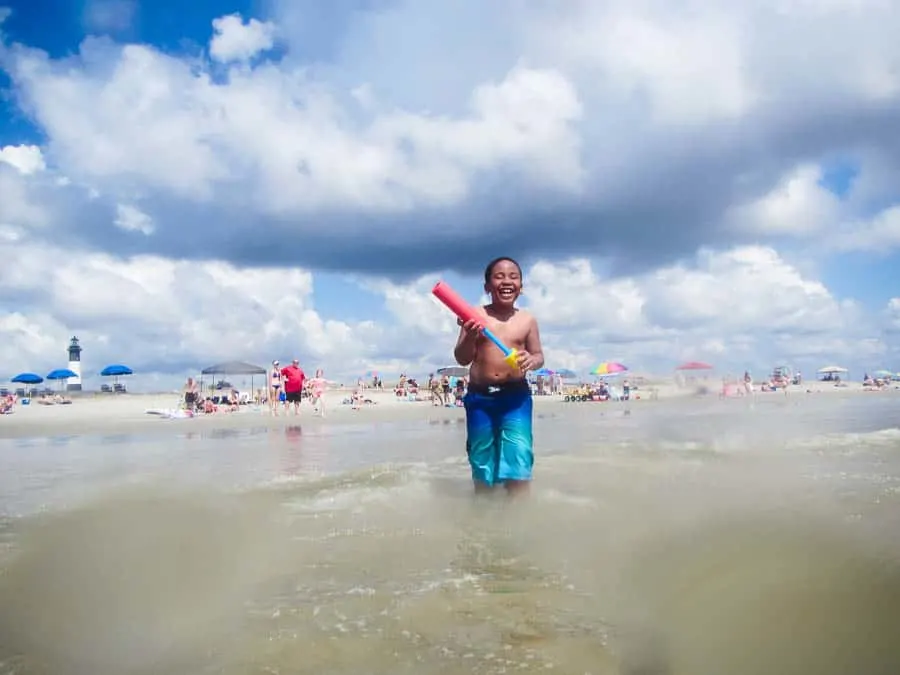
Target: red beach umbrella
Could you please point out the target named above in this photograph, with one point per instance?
(694, 365)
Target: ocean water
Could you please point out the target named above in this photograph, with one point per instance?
(672, 538)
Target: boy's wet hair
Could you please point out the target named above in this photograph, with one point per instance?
(489, 270)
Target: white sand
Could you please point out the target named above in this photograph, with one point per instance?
(104, 414)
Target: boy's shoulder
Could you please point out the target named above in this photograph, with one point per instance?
(525, 316)
(520, 315)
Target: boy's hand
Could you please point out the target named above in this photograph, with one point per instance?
(471, 328)
(526, 361)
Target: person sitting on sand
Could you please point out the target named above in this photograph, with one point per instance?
(498, 403)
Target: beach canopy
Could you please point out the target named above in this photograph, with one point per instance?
(453, 371)
(116, 370)
(233, 368)
(832, 370)
(27, 378)
(61, 374)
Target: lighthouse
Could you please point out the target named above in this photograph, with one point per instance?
(74, 383)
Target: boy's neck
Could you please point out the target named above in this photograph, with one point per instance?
(502, 312)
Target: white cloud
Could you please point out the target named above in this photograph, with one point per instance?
(706, 81)
(893, 317)
(879, 234)
(156, 313)
(132, 219)
(28, 159)
(19, 209)
(742, 306)
(798, 205)
(283, 139)
(607, 128)
(237, 40)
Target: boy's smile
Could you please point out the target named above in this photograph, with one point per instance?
(505, 283)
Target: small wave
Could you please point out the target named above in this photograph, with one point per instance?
(848, 441)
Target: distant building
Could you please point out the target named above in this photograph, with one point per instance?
(74, 383)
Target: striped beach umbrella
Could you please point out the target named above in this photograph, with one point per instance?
(609, 368)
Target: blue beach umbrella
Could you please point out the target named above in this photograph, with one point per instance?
(27, 378)
(116, 370)
(61, 374)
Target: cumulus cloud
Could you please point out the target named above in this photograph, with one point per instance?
(132, 219)
(799, 205)
(237, 40)
(165, 315)
(746, 305)
(27, 159)
(662, 178)
(605, 121)
(893, 316)
(879, 234)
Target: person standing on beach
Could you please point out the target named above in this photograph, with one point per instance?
(498, 402)
(274, 387)
(317, 387)
(294, 378)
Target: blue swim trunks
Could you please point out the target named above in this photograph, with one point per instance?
(498, 423)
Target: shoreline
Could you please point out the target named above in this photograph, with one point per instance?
(103, 415)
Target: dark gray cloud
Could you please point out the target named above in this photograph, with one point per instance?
(653, 192)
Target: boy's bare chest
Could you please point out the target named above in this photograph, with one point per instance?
(513, 330)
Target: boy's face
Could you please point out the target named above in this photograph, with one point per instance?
(505, 283)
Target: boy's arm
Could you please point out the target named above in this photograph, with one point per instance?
(533, 344)
(466, 343)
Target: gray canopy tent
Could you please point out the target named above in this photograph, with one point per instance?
(233, 368)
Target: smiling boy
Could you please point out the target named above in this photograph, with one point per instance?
(498, 403)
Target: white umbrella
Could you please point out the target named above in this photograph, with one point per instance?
(832, 370)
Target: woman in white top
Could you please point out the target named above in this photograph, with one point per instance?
(274, 387)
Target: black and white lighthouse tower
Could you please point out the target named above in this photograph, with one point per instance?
(74, 383)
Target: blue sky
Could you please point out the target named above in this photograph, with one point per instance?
(343, 156)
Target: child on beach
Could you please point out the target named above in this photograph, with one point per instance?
(498, 402)
(317, 387)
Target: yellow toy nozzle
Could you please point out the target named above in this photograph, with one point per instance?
(512, 358)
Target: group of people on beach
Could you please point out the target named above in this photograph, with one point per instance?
(288, 386)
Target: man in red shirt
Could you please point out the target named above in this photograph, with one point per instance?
(294, 377)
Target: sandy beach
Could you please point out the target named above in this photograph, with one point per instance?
(103, 414)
